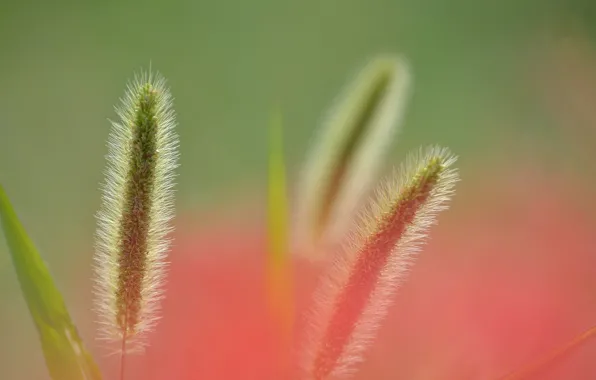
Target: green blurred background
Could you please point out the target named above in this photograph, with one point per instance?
(478, 76)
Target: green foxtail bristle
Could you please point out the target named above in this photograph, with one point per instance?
(134, 219)
(348, 153)
(357, 289)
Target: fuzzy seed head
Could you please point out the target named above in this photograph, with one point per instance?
(348, 152)
(134, 219)
(353, 298)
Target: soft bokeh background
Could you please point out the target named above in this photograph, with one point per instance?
(509, 85)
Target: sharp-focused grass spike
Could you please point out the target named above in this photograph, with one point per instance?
(358, 287)
(278, 262)
(135, 216)
(65, 355)
(348, 152)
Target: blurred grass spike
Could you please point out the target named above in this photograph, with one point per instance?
(348, 152)
(356, 291)
(135, 218)
(279, 268)
(65, 355)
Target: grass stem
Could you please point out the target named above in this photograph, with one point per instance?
(552, 357)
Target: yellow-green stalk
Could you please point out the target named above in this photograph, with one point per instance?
(357, 289)
(348, 152)
(279, 269)
(134, 219)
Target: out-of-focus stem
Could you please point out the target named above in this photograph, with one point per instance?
(552, 357)
(279, 281)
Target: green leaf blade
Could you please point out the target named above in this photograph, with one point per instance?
(279, 266)
(64, 352)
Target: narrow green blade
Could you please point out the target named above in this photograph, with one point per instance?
(65, 355)
(279, 269)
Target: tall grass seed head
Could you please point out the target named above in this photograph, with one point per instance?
(137, 208)
(358, 287)
(348, 151)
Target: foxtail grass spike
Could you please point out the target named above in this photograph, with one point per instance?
(358, 288)
(135, 217)
(348, 152)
